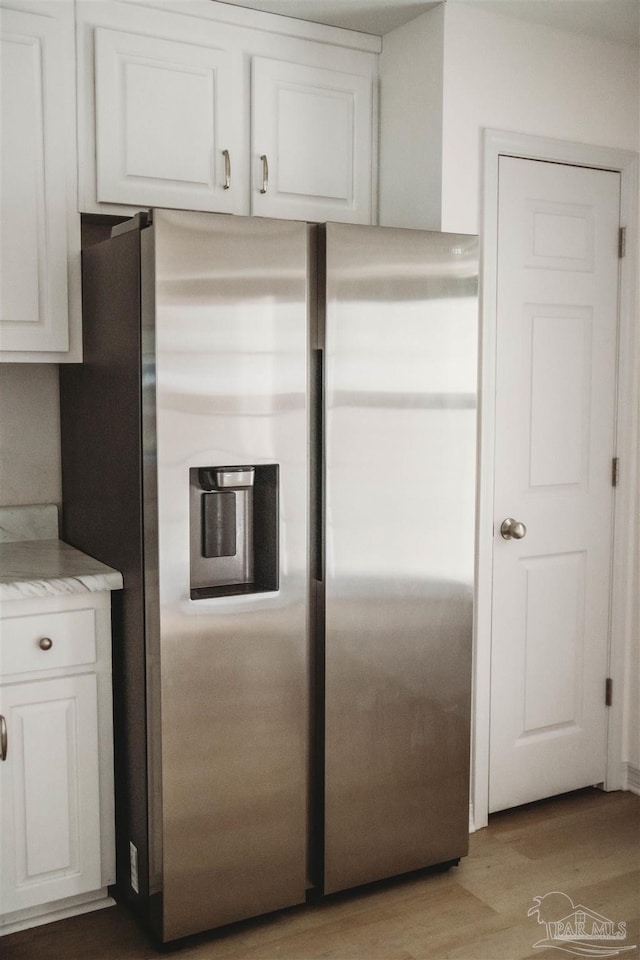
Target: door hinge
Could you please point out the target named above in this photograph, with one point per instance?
(615, 471)
(608, 692)
(622, 242)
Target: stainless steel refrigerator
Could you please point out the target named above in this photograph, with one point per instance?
(272, 435)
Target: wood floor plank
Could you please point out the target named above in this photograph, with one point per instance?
(586, 845)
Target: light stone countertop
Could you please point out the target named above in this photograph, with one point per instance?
(49, 568)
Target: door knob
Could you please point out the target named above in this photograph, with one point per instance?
(511, 529)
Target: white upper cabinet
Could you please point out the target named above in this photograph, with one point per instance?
(311, 139)
(40, 227)
(178, 109)
(166, 129)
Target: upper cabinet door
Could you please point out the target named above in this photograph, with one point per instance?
(40, 231)
(311, 137)
(168, 123)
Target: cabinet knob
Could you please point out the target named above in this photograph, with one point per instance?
(45, 643)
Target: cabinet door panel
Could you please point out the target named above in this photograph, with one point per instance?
(163, 119)
(49, 786)
(43, 737)
(314, 127)
(37, 100)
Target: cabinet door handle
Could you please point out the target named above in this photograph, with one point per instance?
(3, 738)
(45, 643)
(227, 169)
(265, 173)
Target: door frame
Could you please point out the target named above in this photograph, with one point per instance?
(497, 143)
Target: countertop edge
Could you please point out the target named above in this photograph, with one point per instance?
(51, 568)
(25, 589)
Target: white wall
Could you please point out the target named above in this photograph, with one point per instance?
(458, 69)
(411, 74)
(514, 75)
(29, 434)
(631, 741)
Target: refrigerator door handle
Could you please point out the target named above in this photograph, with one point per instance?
(318, 471)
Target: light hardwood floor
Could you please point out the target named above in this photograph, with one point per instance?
(586, 845)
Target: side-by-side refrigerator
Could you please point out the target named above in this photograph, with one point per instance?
(272, 436)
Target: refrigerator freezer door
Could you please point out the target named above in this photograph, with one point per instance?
(400, 407)
(230, 389)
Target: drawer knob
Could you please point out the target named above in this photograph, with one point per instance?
(46, 643)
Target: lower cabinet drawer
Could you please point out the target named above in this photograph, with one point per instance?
(47, 641)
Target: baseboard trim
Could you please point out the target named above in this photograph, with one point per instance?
(631, 778)
(36, 916)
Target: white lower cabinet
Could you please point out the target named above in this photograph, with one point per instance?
(56, 772)
(50, 791)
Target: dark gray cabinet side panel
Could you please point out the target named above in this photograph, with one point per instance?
(102, 504)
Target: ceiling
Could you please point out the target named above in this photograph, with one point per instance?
(609, 19)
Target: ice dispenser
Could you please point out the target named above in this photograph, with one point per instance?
(234, 530)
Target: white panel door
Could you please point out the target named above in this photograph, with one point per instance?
(37, 81)
(49, 791)
(555, 417)
(169, 121)
(311, 142)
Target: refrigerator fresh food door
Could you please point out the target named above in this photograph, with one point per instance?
(400, 408)
(229, 397)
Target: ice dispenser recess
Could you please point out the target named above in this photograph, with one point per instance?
(219, 524)
(234, 530)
